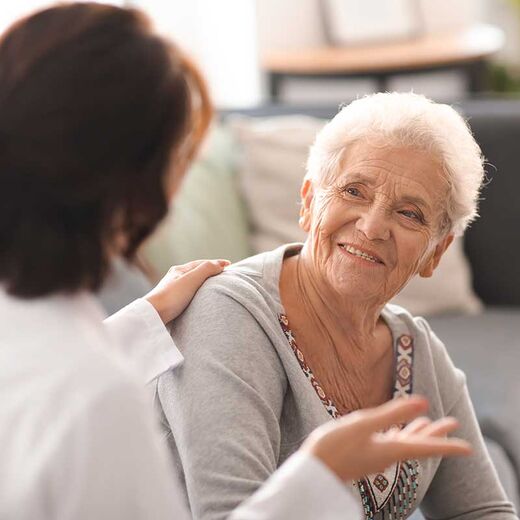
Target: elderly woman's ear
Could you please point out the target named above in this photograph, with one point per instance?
(307, 195)
(435, 256)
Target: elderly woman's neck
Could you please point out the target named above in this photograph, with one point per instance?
(325, 312)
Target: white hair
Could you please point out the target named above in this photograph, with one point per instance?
(407, 119)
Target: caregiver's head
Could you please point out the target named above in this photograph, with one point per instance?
(99, 117)
(390, 181)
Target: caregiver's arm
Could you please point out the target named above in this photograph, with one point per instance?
(316, 482)
(139, 331)
(111, 461)
(302, 488)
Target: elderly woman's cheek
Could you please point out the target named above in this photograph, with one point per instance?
(328, 216)
(413, 247)
(406, 273)
(321, 230)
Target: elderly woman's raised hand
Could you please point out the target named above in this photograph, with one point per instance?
(354, 446)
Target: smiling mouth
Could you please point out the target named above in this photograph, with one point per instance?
(354, 251)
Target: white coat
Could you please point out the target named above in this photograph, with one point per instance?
(78, 436)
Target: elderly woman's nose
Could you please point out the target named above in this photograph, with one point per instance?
(373, 224)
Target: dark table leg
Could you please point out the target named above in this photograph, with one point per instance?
(274, 82)
(381, 82)
(477, 76)
(476, 73)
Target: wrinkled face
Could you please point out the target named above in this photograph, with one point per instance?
(376, 223)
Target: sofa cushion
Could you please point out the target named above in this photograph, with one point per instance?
(486, 348)
(506, 471)
(272, 165)
(506, 474)
(492, 241)
(207, 218)
(124, 284)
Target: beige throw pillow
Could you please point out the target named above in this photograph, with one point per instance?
(207, 218)
(273, 152)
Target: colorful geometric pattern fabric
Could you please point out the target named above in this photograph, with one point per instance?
(398, 504)
(380, 487)
(392, 493)
(327, 403)
(404, 366)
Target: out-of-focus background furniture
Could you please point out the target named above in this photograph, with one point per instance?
(466, 50)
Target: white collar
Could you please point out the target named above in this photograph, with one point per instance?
(81, 308)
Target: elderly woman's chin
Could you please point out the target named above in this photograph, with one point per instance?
(358, 273)
(353, 275)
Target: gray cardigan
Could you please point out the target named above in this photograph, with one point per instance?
(245, 404)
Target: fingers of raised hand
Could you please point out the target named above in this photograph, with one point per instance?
(440, 428)
(419, 447)
(393, 412)
(417, 425)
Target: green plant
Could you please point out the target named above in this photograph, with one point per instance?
(504, 78)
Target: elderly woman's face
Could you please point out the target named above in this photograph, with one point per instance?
(377, 222)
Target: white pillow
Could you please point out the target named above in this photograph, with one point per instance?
(273, 152)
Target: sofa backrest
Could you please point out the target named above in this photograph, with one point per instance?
(492, 243)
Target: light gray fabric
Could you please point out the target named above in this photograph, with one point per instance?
(487, 348)
(505, 470)
(240, 404)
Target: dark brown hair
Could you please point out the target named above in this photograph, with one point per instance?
(95, 110)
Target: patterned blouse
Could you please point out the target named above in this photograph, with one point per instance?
(392, 493)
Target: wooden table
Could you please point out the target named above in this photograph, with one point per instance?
(466, 50)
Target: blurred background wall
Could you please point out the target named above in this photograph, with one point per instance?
(229, 38)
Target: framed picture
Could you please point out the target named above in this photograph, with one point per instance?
(356, 22)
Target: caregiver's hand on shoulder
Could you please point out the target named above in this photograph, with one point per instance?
(353, 446)
(175, 291)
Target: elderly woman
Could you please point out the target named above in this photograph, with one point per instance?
(292, 338)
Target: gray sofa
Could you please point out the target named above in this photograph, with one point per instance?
(486, 346)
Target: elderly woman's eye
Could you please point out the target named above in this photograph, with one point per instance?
(408, 213)
(353, 191)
